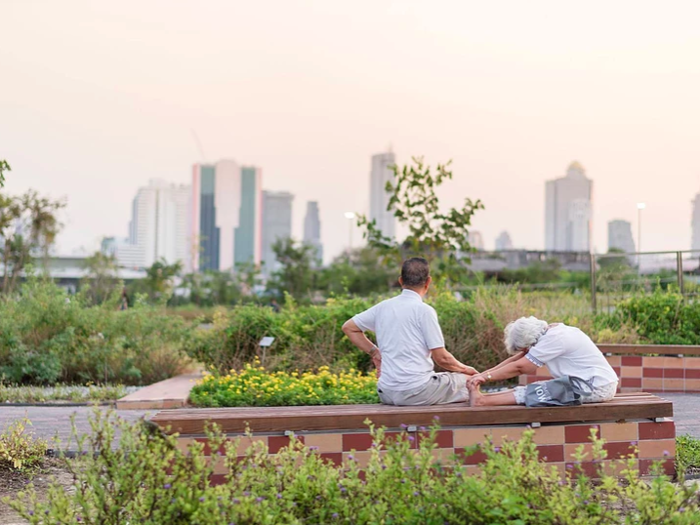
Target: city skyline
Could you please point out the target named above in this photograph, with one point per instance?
(569, 211)
(100, 97)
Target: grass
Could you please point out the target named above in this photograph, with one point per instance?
(63, 393)
(687, 452)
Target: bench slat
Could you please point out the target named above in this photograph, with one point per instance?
(638, 405)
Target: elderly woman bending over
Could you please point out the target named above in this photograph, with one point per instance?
(533, 343)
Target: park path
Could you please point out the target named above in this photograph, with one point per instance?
(48, 422)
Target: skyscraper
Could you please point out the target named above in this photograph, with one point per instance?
(568, 211)
(503, 242)
(378, 196)
(158, 228)
(620, 236)
(476, 240)
(312, 228)
(276, 225)
(226, 220)
(695, 224)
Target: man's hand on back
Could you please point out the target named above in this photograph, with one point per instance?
(469, 370)
(377, 360)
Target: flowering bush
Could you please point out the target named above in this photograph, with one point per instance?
(149, 480)
(254, 386)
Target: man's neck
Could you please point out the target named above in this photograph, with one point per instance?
(420, 292)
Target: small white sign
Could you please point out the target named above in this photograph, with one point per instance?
(266, 341)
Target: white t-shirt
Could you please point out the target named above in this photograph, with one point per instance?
(567, 351)
(407, 330)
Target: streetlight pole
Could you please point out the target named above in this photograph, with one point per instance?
(640, 207)
(350, 216)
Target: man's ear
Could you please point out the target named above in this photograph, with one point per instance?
(429, 281)
(400, 281)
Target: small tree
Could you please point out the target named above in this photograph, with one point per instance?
(28, 229)
(102, 276)
(4, 166)
(440, 237)
(296, 274)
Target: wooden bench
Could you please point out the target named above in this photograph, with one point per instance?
(633, 423)
(652, 368)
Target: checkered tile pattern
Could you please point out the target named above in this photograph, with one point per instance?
(647, 442)
(648, 374)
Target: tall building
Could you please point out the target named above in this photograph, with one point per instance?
(503, 242)
(568, 212)
(620, 236)
(276, 225)
(158, 229)
(378, 196)
(695, 241)
(476, 240)
(226, 220)
(312, 228)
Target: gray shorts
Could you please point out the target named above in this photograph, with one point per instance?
(600, 394)
(441, 388)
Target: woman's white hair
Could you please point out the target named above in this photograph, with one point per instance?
(523, 333)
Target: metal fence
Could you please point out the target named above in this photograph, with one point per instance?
(608, 278)
(616, 276)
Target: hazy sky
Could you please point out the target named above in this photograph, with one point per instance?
(98, 97)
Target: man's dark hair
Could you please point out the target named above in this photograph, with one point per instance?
(415, 272)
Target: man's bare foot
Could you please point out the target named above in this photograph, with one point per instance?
(476, 398)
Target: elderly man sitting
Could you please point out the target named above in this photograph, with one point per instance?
(410, 339)
(566, 351)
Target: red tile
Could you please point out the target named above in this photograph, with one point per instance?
(653, 372)
(217, 479)
(617, 370)
(692, 373)
(628, 360)
(334, 457)
(275, 443)
(357, 442)
(665, 430)
(631, 382)
(673, 372)
(551, 453)
(620, 449)
(668, 466)
(472, 459)
(443, 439)
(579, 433)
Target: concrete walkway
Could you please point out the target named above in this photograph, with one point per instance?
(48, 422)
(171, 393)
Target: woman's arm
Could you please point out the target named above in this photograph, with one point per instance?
(512, 358)
(511, 369)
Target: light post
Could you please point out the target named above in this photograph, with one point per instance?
(350, 216)
(640, 207)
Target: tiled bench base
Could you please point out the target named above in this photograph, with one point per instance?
(648, 374)
(647, 440)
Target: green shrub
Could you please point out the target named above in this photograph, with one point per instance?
(19, 450)
(308, 337)
(148, 479)
(687, 452)
(47, 337)
(664, 318)
(254, 386)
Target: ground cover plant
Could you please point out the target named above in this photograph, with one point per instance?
(63, 393)
(688, 453)
(255, 386)
(48, 337)
(149, 480)
(19, 449)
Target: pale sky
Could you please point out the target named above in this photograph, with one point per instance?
(96, 98)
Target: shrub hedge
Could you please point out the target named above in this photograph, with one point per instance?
(49, 337)
(149, 479)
